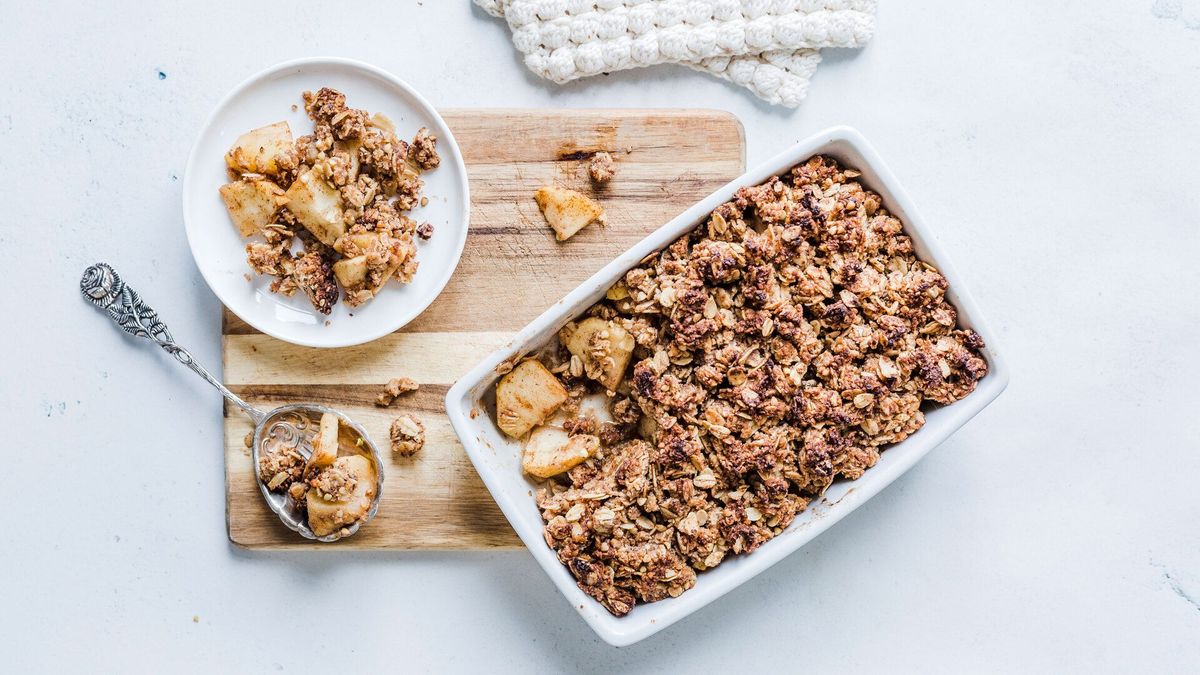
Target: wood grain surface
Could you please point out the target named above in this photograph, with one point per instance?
(511, 270)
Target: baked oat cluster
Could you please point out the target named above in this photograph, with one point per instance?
(407, 434)
(396, 387)
(280, 467)
(780, 346)
(342, 191)
(600, 168)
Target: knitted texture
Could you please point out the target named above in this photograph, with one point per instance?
(768, 46)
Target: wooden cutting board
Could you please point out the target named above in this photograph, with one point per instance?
(511, 270)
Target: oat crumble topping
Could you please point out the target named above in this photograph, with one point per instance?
(779, 346)
(280, 467)
(334, 483)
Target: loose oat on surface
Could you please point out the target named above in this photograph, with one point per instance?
(408, 435)
(395, 387)
(782, 344)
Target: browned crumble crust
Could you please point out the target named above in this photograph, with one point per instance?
(313, 274)
(378, 178)
(782, 344)
(395, 387)
(601, 167)
(408, 435)
(423, 150)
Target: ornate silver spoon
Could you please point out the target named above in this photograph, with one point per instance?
(292, 426)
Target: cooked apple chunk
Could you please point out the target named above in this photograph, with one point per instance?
(260, 150)
(252, 204)
(372, 259)
(567, 211)
(325, 445)
(351, 272)
(326, 516)
(526, 396)
(318, 207)
(604, 347)
(550, 451)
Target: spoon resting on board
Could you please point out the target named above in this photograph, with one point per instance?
(290, 427)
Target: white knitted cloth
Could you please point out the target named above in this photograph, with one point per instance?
(767, 46)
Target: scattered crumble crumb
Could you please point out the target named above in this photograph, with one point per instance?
(249, 439)
(247, 277)
(395, 387)
(425, 231)
(601, 167)
(195, 618)
(424, 200)
(408, 435)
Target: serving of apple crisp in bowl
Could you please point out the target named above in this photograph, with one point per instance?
(341, 193)
(727, 389)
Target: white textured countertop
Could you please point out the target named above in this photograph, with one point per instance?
(1051, 145)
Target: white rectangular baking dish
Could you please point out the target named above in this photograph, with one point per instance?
(497, 458)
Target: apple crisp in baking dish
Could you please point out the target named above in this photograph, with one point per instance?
(726, 381)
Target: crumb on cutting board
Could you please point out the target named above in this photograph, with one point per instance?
(394, 388)
(408, 435)
(601, 168)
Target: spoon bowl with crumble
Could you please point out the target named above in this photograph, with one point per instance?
(318, 470)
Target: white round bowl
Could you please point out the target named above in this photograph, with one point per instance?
(219, 250)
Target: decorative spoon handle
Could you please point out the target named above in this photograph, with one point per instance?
(104, 287)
